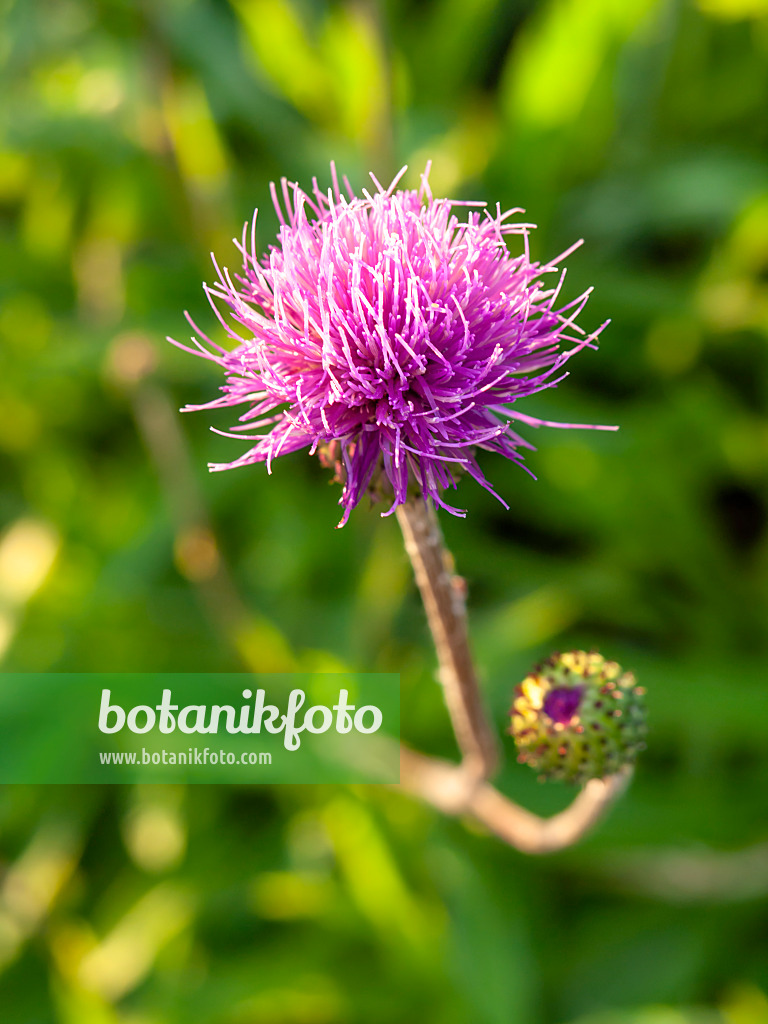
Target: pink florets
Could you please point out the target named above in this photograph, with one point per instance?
(387, 325)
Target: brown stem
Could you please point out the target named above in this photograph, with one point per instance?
(449, 788)
(463, 789)
(444, 600)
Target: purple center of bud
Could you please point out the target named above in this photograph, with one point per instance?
(563, 703)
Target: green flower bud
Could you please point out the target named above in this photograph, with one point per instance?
(578, 717)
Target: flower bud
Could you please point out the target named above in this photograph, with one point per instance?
(578, 717)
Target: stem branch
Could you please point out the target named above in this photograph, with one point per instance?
(463, 789)
(448, 788)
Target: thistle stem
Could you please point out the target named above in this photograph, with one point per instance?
(464, 789)
(447, 787)
(443, 594)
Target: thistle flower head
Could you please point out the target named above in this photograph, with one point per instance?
(386, 326)
(578, 717)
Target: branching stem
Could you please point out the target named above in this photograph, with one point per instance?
(463, 789)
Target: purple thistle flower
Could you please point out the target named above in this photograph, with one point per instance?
(389, 327)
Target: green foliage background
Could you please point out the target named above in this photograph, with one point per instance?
(136, 136)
